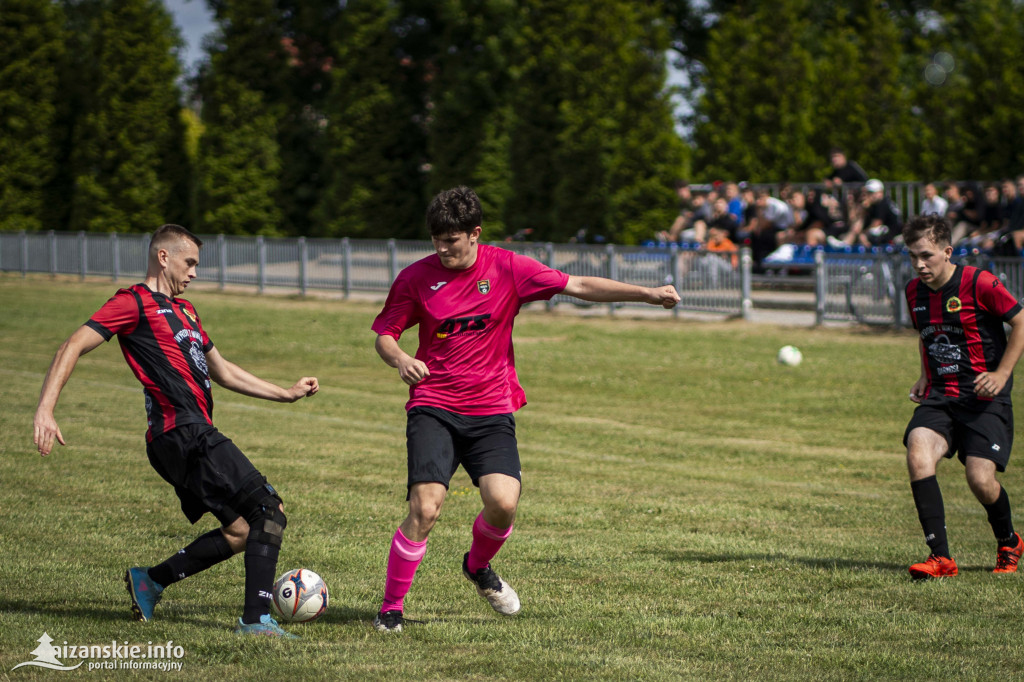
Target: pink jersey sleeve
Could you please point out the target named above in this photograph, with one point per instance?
(118, 315)
(994, 298)
(536, 281)
(399, 311)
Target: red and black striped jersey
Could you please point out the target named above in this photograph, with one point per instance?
(165, 345)
(962, 334)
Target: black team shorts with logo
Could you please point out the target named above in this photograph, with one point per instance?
(987, 434)
(438, 441)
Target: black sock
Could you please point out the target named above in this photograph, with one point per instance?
(1000, 518)
(260, 564)
(205, 551)
(932, 514)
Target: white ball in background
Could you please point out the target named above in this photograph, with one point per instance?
(790, 356)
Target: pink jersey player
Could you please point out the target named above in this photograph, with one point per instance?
(464, 388)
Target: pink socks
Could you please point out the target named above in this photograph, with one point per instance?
(403, 560)
(487, 540)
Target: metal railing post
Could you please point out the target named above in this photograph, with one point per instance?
(222, 258)
(115, 257)
(820, 286)
(53, 253)
(549, 253)
(746, 277)
(612, 268)
(303, 266)
(392, 261)
(83, 255)
(346, 264)
(261, 263)
(24, 253)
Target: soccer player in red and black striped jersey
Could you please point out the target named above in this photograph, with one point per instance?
(963, 393)
(170, 353)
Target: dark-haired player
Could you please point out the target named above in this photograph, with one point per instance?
(463, 385)
(963, 392)
(169, 352)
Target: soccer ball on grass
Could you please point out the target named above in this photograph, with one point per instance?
(299, 596)
(790, 356)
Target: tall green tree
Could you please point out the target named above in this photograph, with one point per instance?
(128, 161)
(862, 104)
(239, 164)
(757, 116)
(968, 85)
(592, 146)
(281, 50)
(31, 53)
(374, 184)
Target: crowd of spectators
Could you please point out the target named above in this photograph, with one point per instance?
(847, 210)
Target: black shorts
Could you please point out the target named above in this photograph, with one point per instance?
(969, 433)
(205, 468)
(438, 441)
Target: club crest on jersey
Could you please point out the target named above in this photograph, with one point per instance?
(953, 305)
(483, 286)
(189, 314)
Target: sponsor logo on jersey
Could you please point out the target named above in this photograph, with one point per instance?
(483, 286)
(462, 325)
(953, 305)
(164, 311)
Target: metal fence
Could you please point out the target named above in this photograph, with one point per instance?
(707, 282)
(869, 288)
(866, 288)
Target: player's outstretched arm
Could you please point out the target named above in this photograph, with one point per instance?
(75, 346)
(991, 383)
(409, 368)
(234, 378)
(602, 290)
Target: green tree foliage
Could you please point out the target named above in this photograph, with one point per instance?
(31, 53)
(756, 119)
(280, 49)
(128, 163)
(592, 146)
(968, 82)
(239, 164)
(374, 166)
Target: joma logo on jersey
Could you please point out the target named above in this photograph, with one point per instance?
(461, 325)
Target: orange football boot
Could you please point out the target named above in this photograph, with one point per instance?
(933, 567)
(1007, 558)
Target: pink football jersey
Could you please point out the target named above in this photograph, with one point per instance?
(466, 318)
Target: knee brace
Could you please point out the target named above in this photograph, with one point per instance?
(258, 503)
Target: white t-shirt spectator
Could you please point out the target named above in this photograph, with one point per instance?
(936, 205)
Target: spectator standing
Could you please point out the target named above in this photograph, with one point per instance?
(844, 171)
(933, 203)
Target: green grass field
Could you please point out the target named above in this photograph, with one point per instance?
(691, 509)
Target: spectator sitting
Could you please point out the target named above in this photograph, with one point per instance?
(722, 219)
(719, 242)
(736, 204)
(969, 229)
(1012, 205)
(1012, 243)
(685, 199)
(844, 171)
(879, 221)
(932, 202)
(774, 217)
